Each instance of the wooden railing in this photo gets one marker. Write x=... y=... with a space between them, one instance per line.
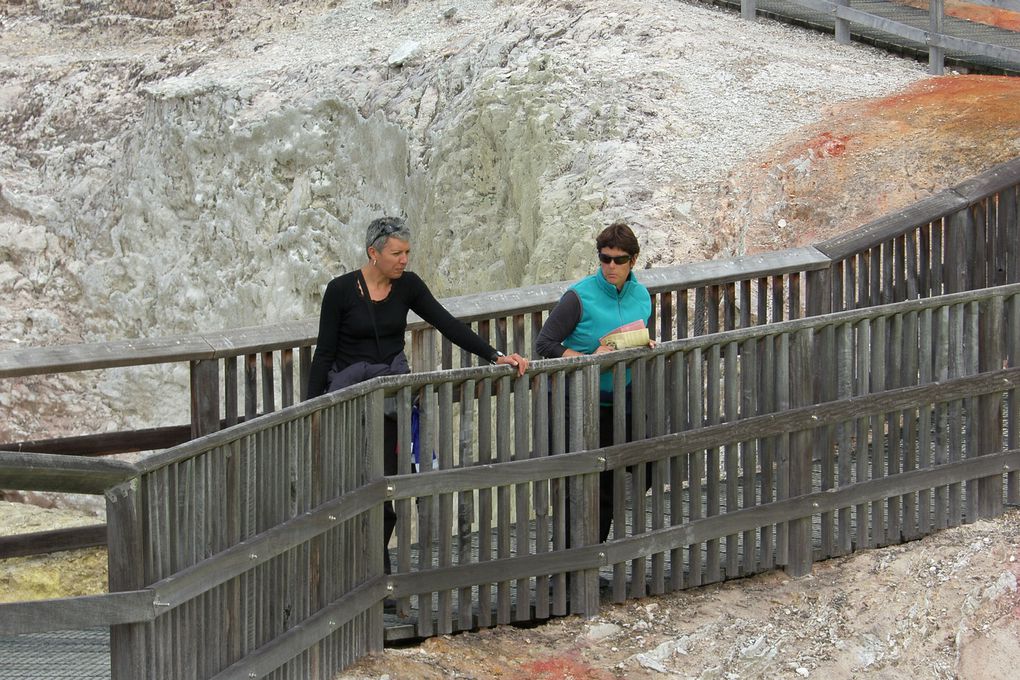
x=933 y=36
x=765 y=446
x=962 y=238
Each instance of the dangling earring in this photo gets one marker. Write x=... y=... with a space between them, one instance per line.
x=375 y=263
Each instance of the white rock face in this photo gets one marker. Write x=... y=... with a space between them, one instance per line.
x=218 y=166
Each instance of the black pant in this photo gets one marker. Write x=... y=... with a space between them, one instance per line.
x=606 y=478
x=389 y=468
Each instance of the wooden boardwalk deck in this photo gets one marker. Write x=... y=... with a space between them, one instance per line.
x=789 y=12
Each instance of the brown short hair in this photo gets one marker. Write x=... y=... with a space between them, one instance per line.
x=618 y=235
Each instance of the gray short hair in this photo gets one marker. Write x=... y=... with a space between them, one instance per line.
x=381 y=229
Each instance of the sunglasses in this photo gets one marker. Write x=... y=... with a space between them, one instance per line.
x=618 y=259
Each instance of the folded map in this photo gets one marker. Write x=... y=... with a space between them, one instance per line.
x=633 y=334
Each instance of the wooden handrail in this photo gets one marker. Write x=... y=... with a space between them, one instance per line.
x=257 y=339
x=66 y=474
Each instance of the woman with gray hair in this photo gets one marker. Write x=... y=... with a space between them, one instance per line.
x=363 y=320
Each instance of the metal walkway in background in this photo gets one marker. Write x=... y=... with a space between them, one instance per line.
x=792 y=13
x=60 y=655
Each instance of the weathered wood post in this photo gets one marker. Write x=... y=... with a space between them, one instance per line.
x=1009 y=233
x=819 y=293
x=205 y=397
x=583 y=403
x=957 y=263
x=129 y=651
x=748 y=9
x=936 y=55
x=843 y=25
x=374 y=414
x=1013 y=354
x=989 y=415
x=799 y=541
x=588 y=597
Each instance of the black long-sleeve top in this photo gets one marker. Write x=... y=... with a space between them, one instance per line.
x=346 y=335
x=562 y=321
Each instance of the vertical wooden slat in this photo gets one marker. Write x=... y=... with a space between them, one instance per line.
x=305 y=370
x=504 y=454
x=838 y=280
x=899 y=263
x=925 y=422
x=428 y=424
x=924 y=261
x=819 y=292
x=850 y=283
x=1009 y=227
x=575 y=529
x=444 y=536
x=767 y=404
x=205 y=400
x=825 y=369
x=712 y=472
x=955 y=430
x=619 y=477
x=895 y=443
x=995 y=245
x=782 y=462
x=521 y=451
x=795 y=307
x=268 y=384
x=466 y=499
x=956 y=271
x=911 y=246
x=978 y=236
x=879 y=437
x=941 y=372
x=729 y=303
x=844 y=451
x=446 y=353
x=682 y=315
x=989 y=416
x=638 y=475
x=558 y=445
x=374 y=469
x=485 y=510
x=748 y=449
x=666 y=329
x=402 y=507
x=286 y=377
x=799 y=552
x=700 y=318
x=888 y=281
x=778 y=298
x=125 y=526
x=863 y=279
x=744 y=304
x=540 y=438
x=696 y=469
x=909 y=525
x=678 y=464
x=877 y=291
x=657 y=427
x=251 y=404
x=586 y=592
x=938 y=258
x=231 y=407
x=712 y=303
x=731 y=453
x=1013 y=404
